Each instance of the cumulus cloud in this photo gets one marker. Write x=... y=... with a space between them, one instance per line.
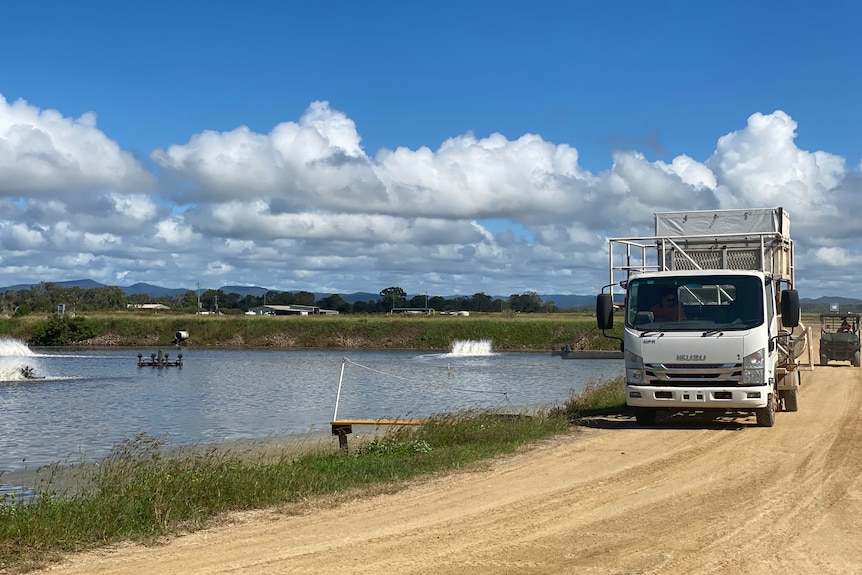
x=303 y=207
x=46 y=155
x=761 y=165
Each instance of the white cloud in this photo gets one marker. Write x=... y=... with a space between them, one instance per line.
x=18 y=237
x=176 y=233
x=838 y=256
x=312 y=162
x=47 y=155
x=762 y=166
x=303 y=206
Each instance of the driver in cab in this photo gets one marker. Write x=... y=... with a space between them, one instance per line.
x=668 y=309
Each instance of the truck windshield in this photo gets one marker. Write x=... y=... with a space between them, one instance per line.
x=696 y=302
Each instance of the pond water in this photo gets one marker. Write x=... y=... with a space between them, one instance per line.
x=88 y=400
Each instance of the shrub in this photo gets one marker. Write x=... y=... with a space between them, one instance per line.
x=62 y=330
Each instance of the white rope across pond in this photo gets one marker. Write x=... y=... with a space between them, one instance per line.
x=345 y=361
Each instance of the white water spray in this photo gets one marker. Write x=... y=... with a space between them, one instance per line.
x=472 y=347
x=14 y=348
x=14 y=355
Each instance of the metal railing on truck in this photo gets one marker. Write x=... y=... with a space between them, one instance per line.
x=769 y=252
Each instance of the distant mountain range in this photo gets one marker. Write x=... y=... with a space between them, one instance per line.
x=562 y=301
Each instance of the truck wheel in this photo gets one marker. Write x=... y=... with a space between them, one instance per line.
x=791 y=400
x=645 y=415
x=766 y=415
x=855 y=360
x=823 y=359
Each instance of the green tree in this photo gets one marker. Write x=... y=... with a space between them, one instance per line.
x=482 y=302
x=303 y=298
x=9 y=299
x=461 y=303
x=279 y=298
x=437 y=302
x=211 y=299
x=103 y=298
x=418 y=301
x=138 y=298
x=22 y=310
x=38 y=298
x=335 y=302
x=527 y=302
x=186 y=301
x=393 y=297
x=231 y=301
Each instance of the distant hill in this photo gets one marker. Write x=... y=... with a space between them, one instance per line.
x=352 y=297
x=257 y=291
x=243 y=291
x=83 y=284
x=153 y=291
x=829 y=299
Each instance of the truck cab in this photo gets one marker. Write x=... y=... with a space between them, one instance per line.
x=705 y=334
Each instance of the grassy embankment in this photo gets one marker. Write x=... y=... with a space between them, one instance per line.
x=143 y=491
x=527 y=332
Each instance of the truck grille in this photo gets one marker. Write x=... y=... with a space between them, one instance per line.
x=687 y=374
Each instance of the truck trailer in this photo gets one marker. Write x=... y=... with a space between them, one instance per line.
x=711 y=315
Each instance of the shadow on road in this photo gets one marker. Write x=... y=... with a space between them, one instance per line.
x=694 y=420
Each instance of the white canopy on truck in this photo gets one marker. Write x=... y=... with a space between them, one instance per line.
x=723 y=222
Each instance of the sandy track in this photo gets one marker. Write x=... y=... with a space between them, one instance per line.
x=683 y=497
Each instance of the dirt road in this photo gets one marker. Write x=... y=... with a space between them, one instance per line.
x=615 y=499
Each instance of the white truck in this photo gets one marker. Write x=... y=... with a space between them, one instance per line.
x=710 y=312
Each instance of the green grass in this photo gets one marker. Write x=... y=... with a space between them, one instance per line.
x=144 y=490
x=514 y=332
x=597 y=398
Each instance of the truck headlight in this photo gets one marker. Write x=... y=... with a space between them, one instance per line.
x=634 y=369
x=752 y=367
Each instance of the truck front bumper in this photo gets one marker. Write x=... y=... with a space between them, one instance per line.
x=694 y=397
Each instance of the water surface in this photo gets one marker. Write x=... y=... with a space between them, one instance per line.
x=90 y=400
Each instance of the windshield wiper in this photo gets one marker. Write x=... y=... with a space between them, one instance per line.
x=735 y=325
x=709 y=332
x=652 y=331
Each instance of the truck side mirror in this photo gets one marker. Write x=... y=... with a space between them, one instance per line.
x=790 y=309
x=605 y=311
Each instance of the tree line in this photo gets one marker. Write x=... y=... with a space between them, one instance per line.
x=47 y=297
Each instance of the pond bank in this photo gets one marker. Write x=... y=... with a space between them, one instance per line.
x=527 y=332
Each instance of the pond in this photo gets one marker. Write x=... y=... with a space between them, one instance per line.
x=82 y=402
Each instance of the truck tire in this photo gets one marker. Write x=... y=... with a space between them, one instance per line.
x=823 y=359
x=645 y=415
x=766 y=415
x=791 y=399
x=855 y=360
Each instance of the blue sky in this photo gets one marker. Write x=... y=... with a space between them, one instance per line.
x=447 y=147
